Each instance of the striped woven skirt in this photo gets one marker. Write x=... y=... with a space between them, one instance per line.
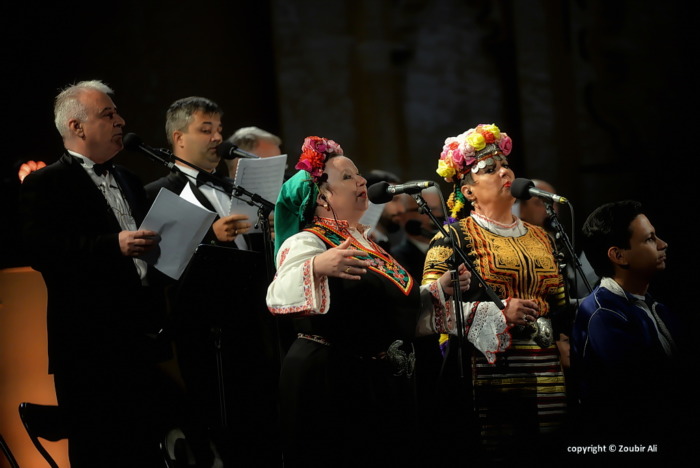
x=521 y=398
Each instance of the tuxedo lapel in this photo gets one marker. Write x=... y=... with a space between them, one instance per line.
x=201 y=198
x=91 y=200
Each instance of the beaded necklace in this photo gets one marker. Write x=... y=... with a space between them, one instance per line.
x=514 y=229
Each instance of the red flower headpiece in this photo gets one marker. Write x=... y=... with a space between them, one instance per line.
x=315 y=152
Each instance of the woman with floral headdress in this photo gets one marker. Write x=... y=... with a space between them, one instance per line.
x=517 y=379
x=346 y=381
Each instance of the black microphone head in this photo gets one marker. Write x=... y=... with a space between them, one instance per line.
x=520 y=189
x=377 y=193
x=131 y=141
x=224 y=150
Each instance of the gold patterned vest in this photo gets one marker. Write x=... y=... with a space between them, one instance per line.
x=522 y=267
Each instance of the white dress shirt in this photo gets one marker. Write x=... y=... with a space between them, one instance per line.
x=113 y=194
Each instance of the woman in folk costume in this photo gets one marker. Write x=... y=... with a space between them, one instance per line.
x=517 y=379
x=346 y=383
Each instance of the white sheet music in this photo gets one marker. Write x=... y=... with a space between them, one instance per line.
x=181 y=226
x=263 y=177
x=372 y=215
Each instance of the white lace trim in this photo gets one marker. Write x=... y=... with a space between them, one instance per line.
x=489 y=330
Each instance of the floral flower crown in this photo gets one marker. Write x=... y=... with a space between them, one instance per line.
x=468 y=151
x=472 y=150
x=314 y=153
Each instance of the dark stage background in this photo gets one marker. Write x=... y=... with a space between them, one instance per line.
x=599 y=96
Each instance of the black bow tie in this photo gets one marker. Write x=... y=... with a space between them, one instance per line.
x=202 y=179
x=102 y=169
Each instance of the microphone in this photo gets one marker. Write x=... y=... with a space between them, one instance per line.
x=228 y=150
x=383 y=192
x=133 y=142
x=524 y=189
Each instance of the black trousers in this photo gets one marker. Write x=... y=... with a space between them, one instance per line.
x=117 y=415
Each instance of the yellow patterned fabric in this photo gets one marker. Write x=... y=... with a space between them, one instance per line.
x=521 y=267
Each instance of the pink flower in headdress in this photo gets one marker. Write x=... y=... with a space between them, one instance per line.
x=449 y=151
x=451 y=143
x=469 y=161
x=333 y=147
x=319 y=145
x=458 y=157
x=304 y=165
x=505 y=144
x=464 y=146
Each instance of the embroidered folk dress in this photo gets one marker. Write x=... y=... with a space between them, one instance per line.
x=517 y=384
x=346 y=384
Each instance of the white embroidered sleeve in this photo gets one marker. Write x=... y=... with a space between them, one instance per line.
x=484 y=323
x=294 y=290
x=435 y=315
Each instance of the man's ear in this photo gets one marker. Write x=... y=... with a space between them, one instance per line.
x=76 y=128
x=177 y=138
x=617 y=256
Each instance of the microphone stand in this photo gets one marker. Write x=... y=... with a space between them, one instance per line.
x=457 y=293
x=264 y=209
x=561 y=236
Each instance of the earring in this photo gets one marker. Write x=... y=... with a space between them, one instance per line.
x=325 y=205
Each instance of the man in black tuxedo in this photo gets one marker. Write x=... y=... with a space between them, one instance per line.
x=193 y=128
x=106 y=352
x=225 y=339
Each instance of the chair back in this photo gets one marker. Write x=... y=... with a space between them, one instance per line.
x=8 y=453
x=45 y=422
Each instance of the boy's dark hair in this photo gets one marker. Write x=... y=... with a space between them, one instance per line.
x=608 y=226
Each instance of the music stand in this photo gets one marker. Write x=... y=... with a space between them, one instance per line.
x=224 y=333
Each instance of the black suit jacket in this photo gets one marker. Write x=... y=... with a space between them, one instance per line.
x=98 y=312
x=175 y=182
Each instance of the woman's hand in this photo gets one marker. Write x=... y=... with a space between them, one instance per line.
x=521 y=311
x=340 y=262
x=465 y=279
